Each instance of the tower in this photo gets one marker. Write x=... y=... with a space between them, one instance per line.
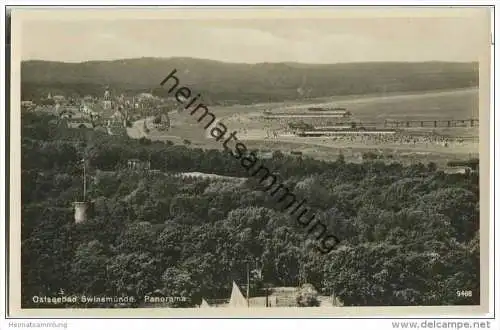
x=82 y=207
x=107 y=99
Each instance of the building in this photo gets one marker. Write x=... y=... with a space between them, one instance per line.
x=84 y=108
x=312 y=117
x=117 y=120
x=458 y=170
x=106 y=103
x=28 y=105
x=66 y=114
x=296 y=153
x=303 y=115
x=161 y=122
x=58 y=98
x=78 y=124
x=145 y=96
x=318 y=133
x=81 y=211
x=265 y=155
x=138 y=165
x=338 y=111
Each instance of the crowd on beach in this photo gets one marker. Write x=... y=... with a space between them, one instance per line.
x=395 y=138
x=398 y=137
x=403 y=139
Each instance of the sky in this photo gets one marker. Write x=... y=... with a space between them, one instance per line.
x=322 y=40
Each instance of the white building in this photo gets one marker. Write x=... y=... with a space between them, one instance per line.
x=58 y=98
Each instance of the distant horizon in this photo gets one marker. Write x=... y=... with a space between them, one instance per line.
x=250 y=41
x=247 y=63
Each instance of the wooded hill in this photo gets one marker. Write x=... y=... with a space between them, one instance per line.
x=243 y=83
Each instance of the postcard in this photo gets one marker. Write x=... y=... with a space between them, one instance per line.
x=249 y=162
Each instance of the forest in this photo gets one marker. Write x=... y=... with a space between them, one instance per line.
x=409 y=234
x=231 y=83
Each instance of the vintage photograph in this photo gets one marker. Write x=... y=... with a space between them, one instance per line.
x=265 y=158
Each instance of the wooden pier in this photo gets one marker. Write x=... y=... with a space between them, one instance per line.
x=471 y=122
x=400 y=124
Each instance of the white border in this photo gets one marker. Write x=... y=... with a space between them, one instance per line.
x=243 y=324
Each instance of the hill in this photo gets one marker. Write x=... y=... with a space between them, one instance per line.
x=244 y=83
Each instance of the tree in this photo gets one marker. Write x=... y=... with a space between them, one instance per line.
x=179 y=283
x=88 y=269
x=134 y=274
x=137 y=237
x=409 y=234
x=307 y=296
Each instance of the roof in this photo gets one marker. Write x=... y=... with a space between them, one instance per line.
x=79 y=125
x=303 y=115
x=237 y=298
x=117 y=115
x=146 y=95
x=457 y=170
x=204 y=304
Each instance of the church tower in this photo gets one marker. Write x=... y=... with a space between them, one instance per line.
x=107 y=99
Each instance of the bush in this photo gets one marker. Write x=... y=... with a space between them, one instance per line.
x=307 y=296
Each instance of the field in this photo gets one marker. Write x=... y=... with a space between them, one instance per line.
x=254 y=130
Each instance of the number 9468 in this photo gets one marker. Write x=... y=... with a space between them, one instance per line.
x=462 y=293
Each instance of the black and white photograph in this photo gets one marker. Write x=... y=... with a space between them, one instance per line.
x=259 y=159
